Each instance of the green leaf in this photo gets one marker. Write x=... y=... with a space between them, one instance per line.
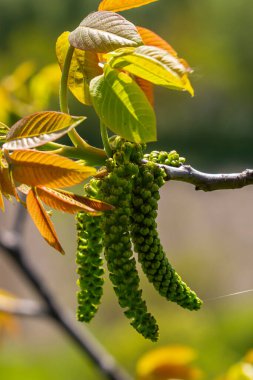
x=40 y=128
x=123 y=107
x=84 y=67
x=153 y=64
x=104 y=31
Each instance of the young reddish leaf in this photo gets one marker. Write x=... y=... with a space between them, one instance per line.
x=94 y=204
x=42 y=220
x=39 y=128
x=148 y=89
x=69 y=202
x=35 y=168
x=122 y=5
x=123 y=107
x=103 y=32
x=152 y=39
x=152 y=64
x=84 y=67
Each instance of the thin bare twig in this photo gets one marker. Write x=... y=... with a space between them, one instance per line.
x=11 y=243
x=206 y=181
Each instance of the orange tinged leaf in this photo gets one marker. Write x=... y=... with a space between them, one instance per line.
x=39 y=128
x=148 y=89
x=35 y=168
x=42 y=220
x=94 y=204
x=1 y=202
x=6 y=184
x=122 y=5
x=68 y=202
x=150 y=38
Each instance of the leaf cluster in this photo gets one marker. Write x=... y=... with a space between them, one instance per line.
x=107 y=63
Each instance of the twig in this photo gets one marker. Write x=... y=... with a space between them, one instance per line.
x=206 y=181
x=11 y=242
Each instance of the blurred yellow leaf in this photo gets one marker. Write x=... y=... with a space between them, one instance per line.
x=45 y=84
x=42 y=220
x=243 y=370
x=170 y=362
x=8 y=323
x=18 y=78
x=84 y=67
x=35 y=168
x=6 y=106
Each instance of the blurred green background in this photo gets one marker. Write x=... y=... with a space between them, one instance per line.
x=208 y=236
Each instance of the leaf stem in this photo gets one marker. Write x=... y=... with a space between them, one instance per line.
x=93 y=156
x=105 y=139
x=82 y=150
x=63 y=96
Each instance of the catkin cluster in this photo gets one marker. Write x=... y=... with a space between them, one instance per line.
x=132 y=187
x=90 y=265
x=146 y=240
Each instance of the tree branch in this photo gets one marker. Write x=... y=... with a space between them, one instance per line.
x=206 y=181
x=11 y=243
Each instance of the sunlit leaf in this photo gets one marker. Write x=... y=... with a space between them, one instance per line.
x=42 y=220
x=92 y=203
x=148 y=89
x=152 y=64
x=121 y=5
x=103 y=32
x=84 y=67
x=152 y=39
x=35 y=168
x=123 y=107
x=39 y=128
x=68 y=202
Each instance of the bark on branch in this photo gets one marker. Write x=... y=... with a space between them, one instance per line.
x=207 y=181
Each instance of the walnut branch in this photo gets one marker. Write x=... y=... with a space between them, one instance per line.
x=206 y=181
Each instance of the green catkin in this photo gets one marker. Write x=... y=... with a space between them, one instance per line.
x=116 y=189
x=133 y=188
x=90 y=265
x=145 y=236
x=171 y=158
